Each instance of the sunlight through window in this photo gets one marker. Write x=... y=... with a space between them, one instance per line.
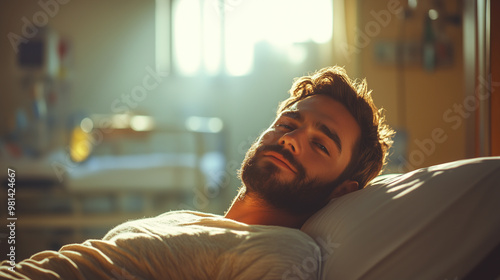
x=211 y=39
x=215 y=36
x=187 y=36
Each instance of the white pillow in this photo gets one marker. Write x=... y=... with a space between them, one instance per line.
x=432 y=223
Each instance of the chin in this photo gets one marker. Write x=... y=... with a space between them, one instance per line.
x=294 y=195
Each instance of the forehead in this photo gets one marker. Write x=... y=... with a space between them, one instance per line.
x=324 y=108
x=323 y=105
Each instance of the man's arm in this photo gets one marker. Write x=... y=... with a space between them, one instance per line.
x=93 y=259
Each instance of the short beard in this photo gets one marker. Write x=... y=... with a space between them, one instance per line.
x=300 y=196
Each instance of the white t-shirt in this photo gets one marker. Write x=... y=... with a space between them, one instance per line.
x=180 y=245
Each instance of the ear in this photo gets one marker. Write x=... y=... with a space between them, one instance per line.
x=344 y=188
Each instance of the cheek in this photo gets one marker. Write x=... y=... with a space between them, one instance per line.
x=268 y=137
x=319 y=168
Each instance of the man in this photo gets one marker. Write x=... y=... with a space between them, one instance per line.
x=328 y=140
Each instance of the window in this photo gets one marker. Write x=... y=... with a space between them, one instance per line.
x=219 y=36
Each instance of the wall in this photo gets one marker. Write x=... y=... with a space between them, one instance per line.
x=435 y=135
x=113 y=43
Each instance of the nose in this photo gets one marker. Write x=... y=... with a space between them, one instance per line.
x=291 y=141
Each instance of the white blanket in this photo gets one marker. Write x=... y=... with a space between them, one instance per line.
x=180 y=245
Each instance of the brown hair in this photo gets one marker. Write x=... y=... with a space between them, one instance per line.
x=371 y=149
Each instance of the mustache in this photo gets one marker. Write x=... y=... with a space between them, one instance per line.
x=285 y=154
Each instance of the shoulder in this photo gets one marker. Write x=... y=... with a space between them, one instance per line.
x=153 y=224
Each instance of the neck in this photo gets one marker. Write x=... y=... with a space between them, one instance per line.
x=253 y=210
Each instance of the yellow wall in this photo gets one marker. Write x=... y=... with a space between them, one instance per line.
x=429 y=94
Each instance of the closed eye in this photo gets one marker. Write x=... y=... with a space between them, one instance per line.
x=321 y=148
x=285 y=126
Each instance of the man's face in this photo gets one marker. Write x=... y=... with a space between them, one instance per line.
x=296 y=162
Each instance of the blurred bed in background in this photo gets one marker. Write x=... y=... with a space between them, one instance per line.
x=107 y=175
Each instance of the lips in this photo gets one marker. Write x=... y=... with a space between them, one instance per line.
x=280 y=160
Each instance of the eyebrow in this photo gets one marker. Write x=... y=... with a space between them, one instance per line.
x=321 y=127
